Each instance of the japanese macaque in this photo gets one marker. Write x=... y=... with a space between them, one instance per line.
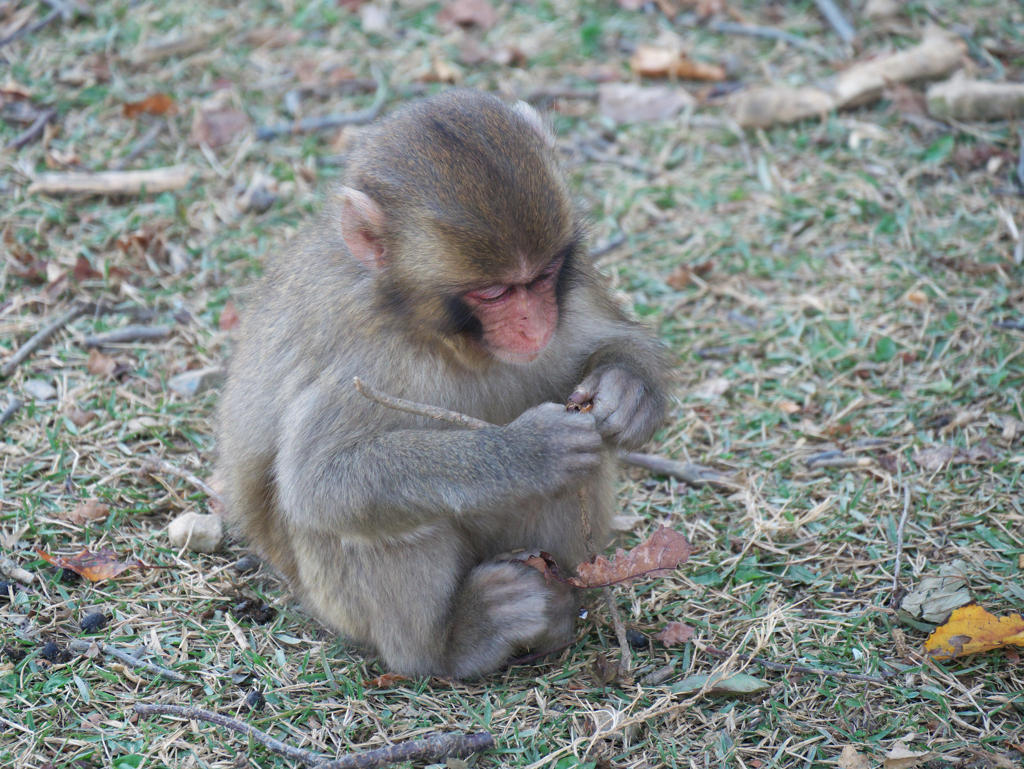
x=450 y=270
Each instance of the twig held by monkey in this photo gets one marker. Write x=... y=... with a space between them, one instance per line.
x=449 y=269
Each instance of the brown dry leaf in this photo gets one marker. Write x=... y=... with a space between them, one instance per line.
x=680 y=277
x=467 y=13
x=95 y=567
x=157 y=104
x=228 y=316
x=675 y=633
x=13 y=90
x=100 y=364
x=88 y=511
x=902 y=757
x=789 y=407
x=851 y=758
x=84 y=271
x=385 y=681
x=662 y=552
x=215 y=128
x=81 y=418
x=906 y=100
x=938 y=457
x=971 y=629
x=654 y=61
x=632 y=103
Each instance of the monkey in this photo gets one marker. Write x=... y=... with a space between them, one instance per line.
x=450 y=269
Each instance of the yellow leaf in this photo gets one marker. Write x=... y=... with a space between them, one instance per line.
x=971 y=629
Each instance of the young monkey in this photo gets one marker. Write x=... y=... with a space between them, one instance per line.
x=449 y=270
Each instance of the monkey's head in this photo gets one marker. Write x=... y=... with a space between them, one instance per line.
x=459 y=209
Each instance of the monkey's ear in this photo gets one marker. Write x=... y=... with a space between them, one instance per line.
x=531 y=116
x=362 y=226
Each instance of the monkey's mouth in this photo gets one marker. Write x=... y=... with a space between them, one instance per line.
x=516 y=358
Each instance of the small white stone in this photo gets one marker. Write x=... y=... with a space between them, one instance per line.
x=40 y=389
x=192 y=383
x=200 y=533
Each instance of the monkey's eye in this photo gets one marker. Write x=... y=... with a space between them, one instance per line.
x=493 y=294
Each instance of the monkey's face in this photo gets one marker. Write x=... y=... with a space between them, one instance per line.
x=517 y=318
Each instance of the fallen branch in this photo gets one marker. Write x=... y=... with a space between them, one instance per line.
x=157 y=466
x=311 y=124
x=429 y=750
x=152 y=180
x=10 y=409
x=128 y=334
x=552 y=92
x=141 y=146
x=837 y=19
x=33 y=132
x=749 y=30
x=784 y=668
x=9 y=567
x=177 y=45
x=960 y=98
x=40 y=337
x=81 y=647
x=935 y=56
x=687 y=472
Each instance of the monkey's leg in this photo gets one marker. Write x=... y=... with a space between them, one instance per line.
x=505 y=608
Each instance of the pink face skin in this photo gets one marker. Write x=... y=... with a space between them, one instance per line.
x=518 y=317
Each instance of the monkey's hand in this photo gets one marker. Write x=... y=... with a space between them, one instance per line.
x=558 y=448
x=627 y=409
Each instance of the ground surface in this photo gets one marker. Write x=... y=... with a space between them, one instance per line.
x=849 y=281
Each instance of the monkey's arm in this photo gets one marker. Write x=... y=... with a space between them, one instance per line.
x=626 y=379
x=333 y=472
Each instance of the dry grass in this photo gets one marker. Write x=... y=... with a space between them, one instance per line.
x=853 y=300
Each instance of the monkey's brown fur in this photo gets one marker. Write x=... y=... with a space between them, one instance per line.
x=393 y=528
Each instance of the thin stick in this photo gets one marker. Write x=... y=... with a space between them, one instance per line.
x=687 y=472
x=608 y=246
x=33 y=132
x=81 y=647
x=840 y=462
x=625 y=657
x=10 y=410
x=310 y=124
x=12 y=570
x=420 y=409
x=899 y=540
x=40 y=337
x=784 y=668
x=128 y=334
x=835 y=17
x=157 y=466
x=31 y=28
x=429 y=750
x=141 y=146
x=152 y=180
x=749 y=30
x=695 y=475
